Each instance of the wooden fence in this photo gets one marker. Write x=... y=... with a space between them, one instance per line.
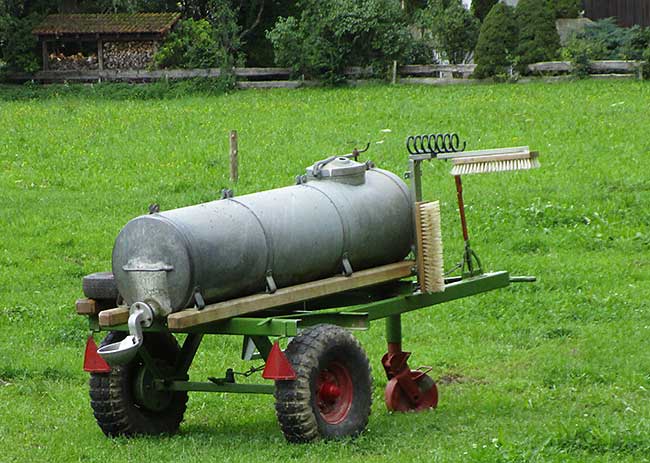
x=432 y=74
x=627 y=12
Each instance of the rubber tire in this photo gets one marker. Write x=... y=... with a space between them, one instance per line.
x=100 y=286
x=112 y=396
x=295 y=401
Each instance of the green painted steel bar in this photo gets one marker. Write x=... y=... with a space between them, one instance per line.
x=394 y=329
x=456 y=290
x=214 y=387
x=271 y=326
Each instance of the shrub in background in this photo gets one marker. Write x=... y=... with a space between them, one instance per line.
x=496 y=42
x=481 y=8
x=604 y=39
x=332 y=34
x=195 y=44
x=453 y=30
x=566 y=8
x=538 y=39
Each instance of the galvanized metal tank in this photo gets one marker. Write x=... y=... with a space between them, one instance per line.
x=342 y=216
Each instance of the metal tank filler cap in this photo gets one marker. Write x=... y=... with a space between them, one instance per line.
x=340 y=169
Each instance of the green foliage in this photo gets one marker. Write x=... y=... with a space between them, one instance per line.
x=496 y=43
x=18 y=47
x=159 y=90
x=646 y=63
x=453 y=29
x=332 y=34
x=196 y=44
x=538 y=38
x=481 y=8
x=605 y=40
x=566 y=8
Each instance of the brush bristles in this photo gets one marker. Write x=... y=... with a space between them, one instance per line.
x=431 y=266
x=494 y=166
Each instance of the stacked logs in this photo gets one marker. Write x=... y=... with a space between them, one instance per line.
x=128 y=55
x=76 y=62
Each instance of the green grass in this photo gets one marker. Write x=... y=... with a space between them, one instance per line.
x=554 y=371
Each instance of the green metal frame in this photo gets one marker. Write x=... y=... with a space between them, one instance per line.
x=260 y=329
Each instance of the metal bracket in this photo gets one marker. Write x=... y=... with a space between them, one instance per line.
x=271 y=287
x=198 y=298
x=347 y=266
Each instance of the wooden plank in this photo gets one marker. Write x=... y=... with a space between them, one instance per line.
x=430 y=69
x=86 y=306
x=271 y=84
x=611 y=65
x=114 y=317
x=263 y=72
x=550 y=66
x=257 y=302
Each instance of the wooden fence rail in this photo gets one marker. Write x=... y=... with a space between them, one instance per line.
x=279 y=77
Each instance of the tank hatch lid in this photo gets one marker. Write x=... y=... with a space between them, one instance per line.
x=337 y=168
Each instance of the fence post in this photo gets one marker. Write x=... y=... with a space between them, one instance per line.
x=234 y=161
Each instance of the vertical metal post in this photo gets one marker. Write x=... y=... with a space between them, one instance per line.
x=394 y=331
x=234 y=160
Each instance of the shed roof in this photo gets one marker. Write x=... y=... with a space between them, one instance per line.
x=118 y=23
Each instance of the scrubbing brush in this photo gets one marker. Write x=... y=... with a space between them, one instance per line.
x=489 y=161
x=429 y=246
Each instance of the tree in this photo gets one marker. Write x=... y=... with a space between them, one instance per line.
x=481 y=8
x=566 y=8
x=538 y=37
x=496 y=42
x=329 y=35
x=453 y=29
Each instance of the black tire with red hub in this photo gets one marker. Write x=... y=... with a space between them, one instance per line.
x=332 y=394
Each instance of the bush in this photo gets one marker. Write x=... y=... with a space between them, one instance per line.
x=538 y=39
x=453 y=29
x=606 y=40
x=194 y=44
x=496 y=42
x=332 y=34
x=481 y=8
x=566 y=8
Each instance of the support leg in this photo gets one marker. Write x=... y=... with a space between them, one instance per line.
x=407 y=389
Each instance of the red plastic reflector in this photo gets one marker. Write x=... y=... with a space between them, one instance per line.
x=277 y=365
x=93 y=363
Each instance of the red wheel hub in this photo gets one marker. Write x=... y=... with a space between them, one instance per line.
x=334 y=393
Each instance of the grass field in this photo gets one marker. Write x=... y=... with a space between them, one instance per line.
x=554 y=371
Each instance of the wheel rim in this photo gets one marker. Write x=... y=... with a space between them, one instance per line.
x=146 y=395
x=334 y=393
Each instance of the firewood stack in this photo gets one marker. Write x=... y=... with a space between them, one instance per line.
x=128 y=55
x=76 y=62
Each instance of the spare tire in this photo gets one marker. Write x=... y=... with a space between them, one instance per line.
x=100 y=286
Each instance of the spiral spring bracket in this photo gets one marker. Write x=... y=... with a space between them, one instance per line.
x=429 y=146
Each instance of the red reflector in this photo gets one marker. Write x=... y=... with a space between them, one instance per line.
x=277 y=365
x=93 y=363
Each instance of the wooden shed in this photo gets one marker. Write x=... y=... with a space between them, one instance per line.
x=116 y=41
x=627 y=12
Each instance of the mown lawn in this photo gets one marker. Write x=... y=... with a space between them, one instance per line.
x=554 y=371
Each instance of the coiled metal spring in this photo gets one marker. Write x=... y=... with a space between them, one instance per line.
x=434 y=144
